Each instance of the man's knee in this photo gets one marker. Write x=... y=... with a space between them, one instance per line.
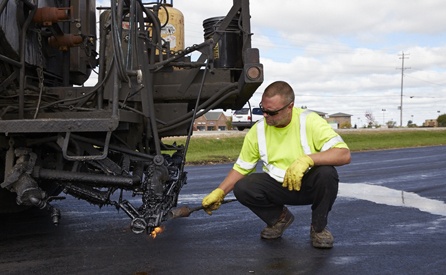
x=325 y=176
x=326 y=171
x=238 y=189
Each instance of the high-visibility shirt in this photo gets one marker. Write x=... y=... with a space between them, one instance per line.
x=277 y=148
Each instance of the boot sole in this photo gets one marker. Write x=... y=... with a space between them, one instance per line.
x=322 y=245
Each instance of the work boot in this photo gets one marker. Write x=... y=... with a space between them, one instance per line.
x=323 y=239
x=275 y=231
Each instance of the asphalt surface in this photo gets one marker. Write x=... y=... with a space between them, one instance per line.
x=389 y=218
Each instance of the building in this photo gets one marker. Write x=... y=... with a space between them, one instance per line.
x=211 y=121
x=340 y=120
x=430 y=123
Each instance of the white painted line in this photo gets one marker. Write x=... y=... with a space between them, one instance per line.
x=384 y=195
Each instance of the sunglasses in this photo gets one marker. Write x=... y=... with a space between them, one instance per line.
x=275 y=112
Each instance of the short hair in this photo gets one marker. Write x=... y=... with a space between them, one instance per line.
x=281 y=88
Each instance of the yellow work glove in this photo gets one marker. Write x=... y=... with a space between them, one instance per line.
x=213 y=201
x=295 y=172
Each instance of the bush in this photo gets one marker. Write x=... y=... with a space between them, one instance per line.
x=441 y=120
x=345 y=125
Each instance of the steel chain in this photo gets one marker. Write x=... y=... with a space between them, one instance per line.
x=39 y=70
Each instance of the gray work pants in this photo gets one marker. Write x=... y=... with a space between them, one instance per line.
x=266 y=197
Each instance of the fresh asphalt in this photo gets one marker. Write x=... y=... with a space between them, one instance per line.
x=389 y=218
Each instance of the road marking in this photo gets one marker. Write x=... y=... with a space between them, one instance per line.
x=393 y=197
x=365 y=191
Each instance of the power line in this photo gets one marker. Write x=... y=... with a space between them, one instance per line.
x=430 y=82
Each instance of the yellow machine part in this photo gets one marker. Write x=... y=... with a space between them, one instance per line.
x=172 y=26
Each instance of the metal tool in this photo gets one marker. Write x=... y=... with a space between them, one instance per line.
x=185 y=211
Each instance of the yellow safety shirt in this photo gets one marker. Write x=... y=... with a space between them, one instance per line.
x=277 y=147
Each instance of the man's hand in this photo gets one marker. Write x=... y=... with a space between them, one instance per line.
x=213 y=201
x=294 y=173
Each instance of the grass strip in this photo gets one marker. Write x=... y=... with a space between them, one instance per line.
x=224 y=149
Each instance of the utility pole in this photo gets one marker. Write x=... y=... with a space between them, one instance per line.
x=402 y=57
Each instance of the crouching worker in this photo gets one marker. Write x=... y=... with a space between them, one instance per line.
x=298 y=150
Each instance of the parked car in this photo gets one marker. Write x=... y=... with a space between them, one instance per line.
x=244 y=118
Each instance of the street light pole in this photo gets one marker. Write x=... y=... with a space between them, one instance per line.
x=384 y=121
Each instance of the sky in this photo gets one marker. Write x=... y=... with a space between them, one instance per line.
x=345 y=56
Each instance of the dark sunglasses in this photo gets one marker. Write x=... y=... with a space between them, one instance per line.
x=272 y=113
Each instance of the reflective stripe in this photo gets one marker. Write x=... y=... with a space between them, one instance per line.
x=245 y=165
x=303 y=132
x=261 y=140
x=332 y=142
x=276 y=173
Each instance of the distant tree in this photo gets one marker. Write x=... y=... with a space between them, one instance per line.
x=441 y=120
x=410 y=124
x=391 y=124
x=370 y=119
x=229 y=123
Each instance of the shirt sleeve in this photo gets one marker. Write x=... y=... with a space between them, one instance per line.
x=249 y=154
x=321 y=135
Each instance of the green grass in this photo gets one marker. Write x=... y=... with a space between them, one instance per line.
x=224 y=149
x=212 y=149
x=380 y=140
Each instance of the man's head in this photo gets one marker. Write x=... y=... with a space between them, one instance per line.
x=277 y=104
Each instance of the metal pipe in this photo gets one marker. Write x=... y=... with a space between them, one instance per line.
x=147 y=98
x=10 y=61
x=87 y=178
x=102 y=69
x=185 y=211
